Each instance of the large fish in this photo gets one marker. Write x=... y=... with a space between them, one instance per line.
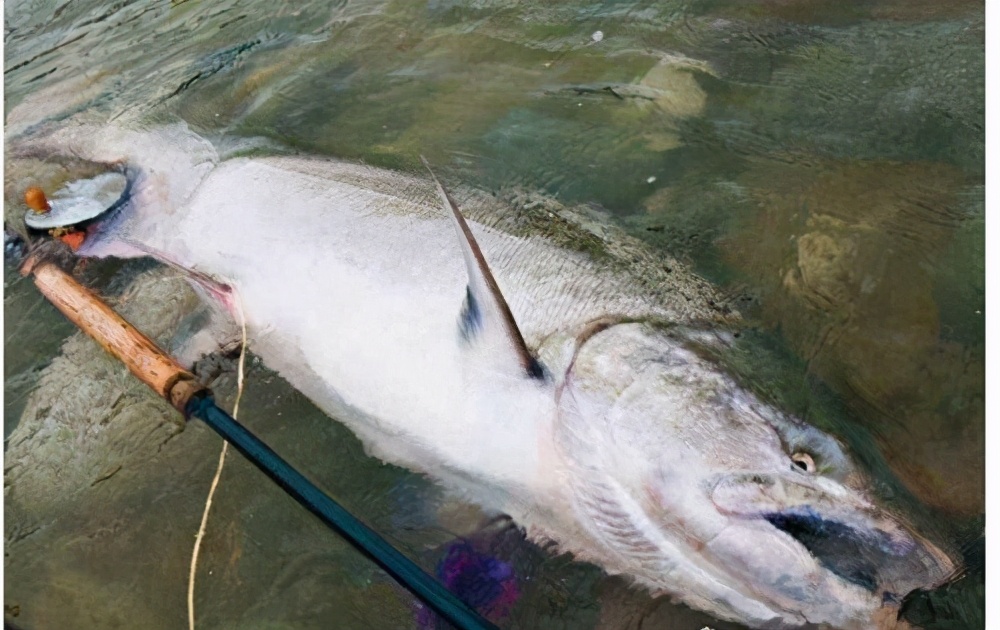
x=562 y=387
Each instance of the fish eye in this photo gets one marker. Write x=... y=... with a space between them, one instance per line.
x=804 y=462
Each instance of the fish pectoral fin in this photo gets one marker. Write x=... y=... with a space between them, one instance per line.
x=485 y=311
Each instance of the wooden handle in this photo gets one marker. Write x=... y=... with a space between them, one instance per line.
x=139 y=353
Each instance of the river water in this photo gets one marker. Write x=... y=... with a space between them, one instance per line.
x=822 y=162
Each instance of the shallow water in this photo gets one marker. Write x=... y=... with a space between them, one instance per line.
x=822 y=162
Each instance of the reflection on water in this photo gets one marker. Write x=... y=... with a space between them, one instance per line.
x=823 y=162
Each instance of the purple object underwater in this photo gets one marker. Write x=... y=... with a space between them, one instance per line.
x=484 y=582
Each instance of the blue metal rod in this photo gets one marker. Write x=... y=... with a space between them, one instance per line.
x=365 y=539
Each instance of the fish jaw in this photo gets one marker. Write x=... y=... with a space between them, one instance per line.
x=849 y=536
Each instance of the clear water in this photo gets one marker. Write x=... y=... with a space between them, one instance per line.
x=820 y=161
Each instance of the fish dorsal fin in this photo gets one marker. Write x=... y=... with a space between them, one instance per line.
x=485 y=305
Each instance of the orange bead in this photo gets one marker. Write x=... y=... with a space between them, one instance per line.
x=73 y=239
x=36 y=200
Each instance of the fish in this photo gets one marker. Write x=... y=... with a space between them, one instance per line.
x=530 y=358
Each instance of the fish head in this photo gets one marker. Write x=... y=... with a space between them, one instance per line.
x=695 y=487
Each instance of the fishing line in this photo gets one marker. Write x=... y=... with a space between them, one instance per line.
x=222 y=462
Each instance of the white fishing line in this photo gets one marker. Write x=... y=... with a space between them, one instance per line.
x=218 y=470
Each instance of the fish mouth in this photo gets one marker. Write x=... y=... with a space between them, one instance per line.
x=859 y=543
x=850 y=553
